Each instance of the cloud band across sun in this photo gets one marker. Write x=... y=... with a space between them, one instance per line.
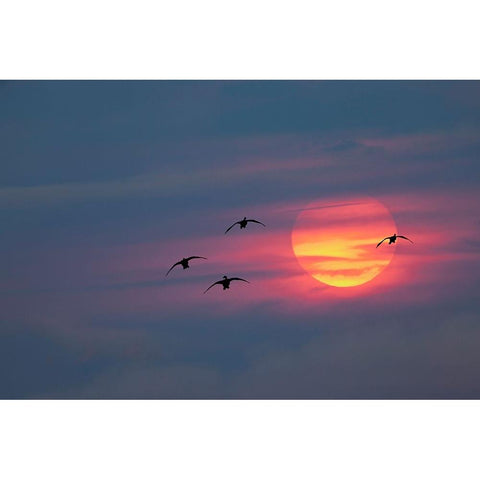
x=337 y=245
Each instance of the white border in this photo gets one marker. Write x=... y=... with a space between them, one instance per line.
x=239 y=40
x=261 y=39
x=240 y=439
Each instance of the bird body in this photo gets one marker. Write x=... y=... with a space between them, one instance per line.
x=225 y=283
x=393 y=239
x=183 y=262
x=243 y=223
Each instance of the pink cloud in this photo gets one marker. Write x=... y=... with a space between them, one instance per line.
x=130 y=279
x=438 y=224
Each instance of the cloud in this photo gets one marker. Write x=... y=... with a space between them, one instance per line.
x=147 y=382
x=270 y=160
x=84 y=262
x=130 y=277
x=396 y=359
x=150 y=185
x=438 y=361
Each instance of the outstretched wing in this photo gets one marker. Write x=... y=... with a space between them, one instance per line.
x=379 y=243
x=229 y=228
x=256 y=221
x=212 y=285
x=401 y=236
x=172 y=267
x=189 y=258
x=237 y=278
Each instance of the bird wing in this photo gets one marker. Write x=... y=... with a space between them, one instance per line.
x=212 y=285
x=401 y=236
x=189 y=258
x=172 y=267
x=237 y=278
x=231 y=227
x=256 y=221
x=379 y=243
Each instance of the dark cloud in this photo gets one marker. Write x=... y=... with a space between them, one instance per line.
x=387 y=358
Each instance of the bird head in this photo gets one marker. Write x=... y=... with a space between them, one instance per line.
x=225 y=277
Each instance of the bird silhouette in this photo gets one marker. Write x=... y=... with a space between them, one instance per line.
x=393 y=239
x=225 y=282
x=243 y=223
x=183 y=262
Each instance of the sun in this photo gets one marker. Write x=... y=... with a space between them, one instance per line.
x=335 y=241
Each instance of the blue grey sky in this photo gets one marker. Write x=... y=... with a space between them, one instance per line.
x=104 y=185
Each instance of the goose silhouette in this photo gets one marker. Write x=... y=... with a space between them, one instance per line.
x=393 y=239
x=225 y=282
x=243 y=223
x=183 y=262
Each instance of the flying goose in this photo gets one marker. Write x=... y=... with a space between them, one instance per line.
x=225 y=282
x=243 y=223
x=393 y=239
x=184 y=263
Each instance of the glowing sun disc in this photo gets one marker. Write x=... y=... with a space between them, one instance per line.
x=335 y=241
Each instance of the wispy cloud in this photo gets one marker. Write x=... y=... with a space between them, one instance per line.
x=394 y=155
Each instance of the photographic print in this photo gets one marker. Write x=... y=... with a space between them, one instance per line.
x=240 y=239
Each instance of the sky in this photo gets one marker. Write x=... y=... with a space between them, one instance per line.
x=104 y=185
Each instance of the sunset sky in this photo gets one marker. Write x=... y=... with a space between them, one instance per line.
x=104 y=185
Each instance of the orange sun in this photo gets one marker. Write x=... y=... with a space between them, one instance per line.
x=335 y=242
